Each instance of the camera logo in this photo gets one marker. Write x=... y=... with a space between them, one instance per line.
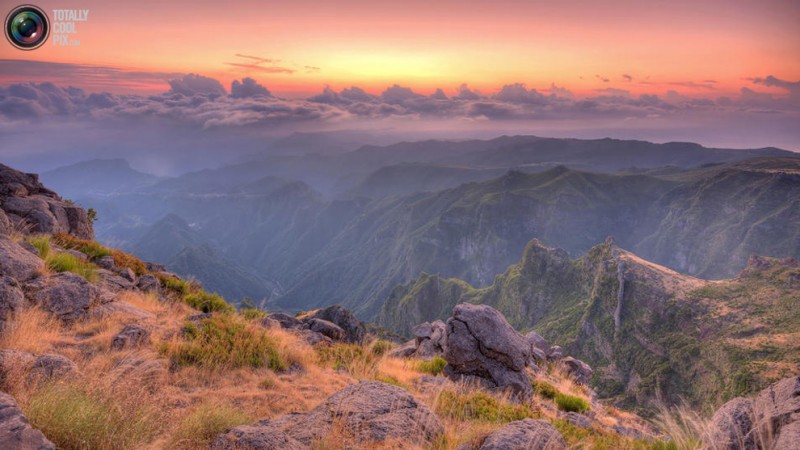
x=27 y=27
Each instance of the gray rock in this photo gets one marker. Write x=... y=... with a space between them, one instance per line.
x=731 y=427
x=149 y=283
x=68 y=296
x=128 y=274
x=34 y=367
x=11 y=298
x=434 y=341
x=371 y=412
x=481 y=343
x=537 y=341
x=132 y=335
x=5 y=224
x=16 y=432
x=355 y=330
x=579 y=420
x=422 y=331
x=286 y=320
x=405 y=350
x=270 y=323
x=18 y=263
x=525 y=434
x=107 y=262
x=312 y=337
x=789 y=437
x=556 y=353
x=113 y=282
x=121 y=309
x=577 y=369
x=777 y=408
x=329 y=329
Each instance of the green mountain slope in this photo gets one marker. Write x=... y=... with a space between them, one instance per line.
x=648 y=331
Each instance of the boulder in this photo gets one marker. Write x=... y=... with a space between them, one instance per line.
x=405 y=350
x=11 y=298
x=149 y=283
x=329 y=329
x=355 y=330
x=579 y=420
x=731 y=427
x=286 y=320
x=431 y=339
x=5 y=224
x=528 y=434
x=556 y=353
x=312 y=337
x=777 y=408
x=18 y=263
x=131 y=335
x=15 y=363
x=30 y=206
x=68 y=296
x=128 y=274
x=107 y=262
x=15 y=430
x=577 y=369
x=368 y=412
x=481 y=343
x=789 y=437
x=113 y=282
x=537 y=341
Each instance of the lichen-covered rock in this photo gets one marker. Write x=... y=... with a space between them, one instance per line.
x=149 y=283
x=777 y=408
x=131 y=335
x=355 y=330
x=286 y=321
x=481 y=343
x=18 y=263
x=577 y=369
x=16 y=433
x=11 y=298
x=369 y=412
x=528 y=434
x=731 y=426
x=69 y=296
x=329 y=329
x=32 y=207
x=30 y=367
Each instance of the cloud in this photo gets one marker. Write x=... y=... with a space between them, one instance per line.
x=248 y=88
x=627 y=77
x=259 y=64
x=192 y=84
x=792 y=87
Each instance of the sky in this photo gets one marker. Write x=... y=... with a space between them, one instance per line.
x=720 y=72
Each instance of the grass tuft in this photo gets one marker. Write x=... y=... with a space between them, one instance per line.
x=358 y=360
x=42 y=244
x=74 y=417
x=225 y=341
x=571 y=403
x=199 y=428
x=479 y=406
x=92 y=249
x=65 y=262
x=433 y=367
x=208 y=302
x=545 y=389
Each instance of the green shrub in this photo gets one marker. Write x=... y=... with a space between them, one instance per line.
x=225 y=341
x=545 y=389
x=65 y=262
x=207 y=302
x=380 y=347
x=202 y=425
x=479 y=406
x=252 y=313
x=176 y=285
x=73 y=417
x=571 y=403
x=433 y=367
x=42 y=244
x=91 y=249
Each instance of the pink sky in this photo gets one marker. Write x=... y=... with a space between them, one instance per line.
x=703 y=49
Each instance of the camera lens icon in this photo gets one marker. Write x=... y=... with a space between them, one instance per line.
x=27 y=27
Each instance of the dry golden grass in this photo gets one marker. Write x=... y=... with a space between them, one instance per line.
x=32 y=330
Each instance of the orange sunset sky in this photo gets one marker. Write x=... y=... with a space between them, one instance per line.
x=295 y=48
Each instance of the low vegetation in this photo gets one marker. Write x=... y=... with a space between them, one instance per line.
x=66 y=262
x=74 y=416
x=224 y=341
x=208 y=302
x=358 y=360
x=479 y=406
x=434 y=367
x=207 y=420
x=571 y=403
